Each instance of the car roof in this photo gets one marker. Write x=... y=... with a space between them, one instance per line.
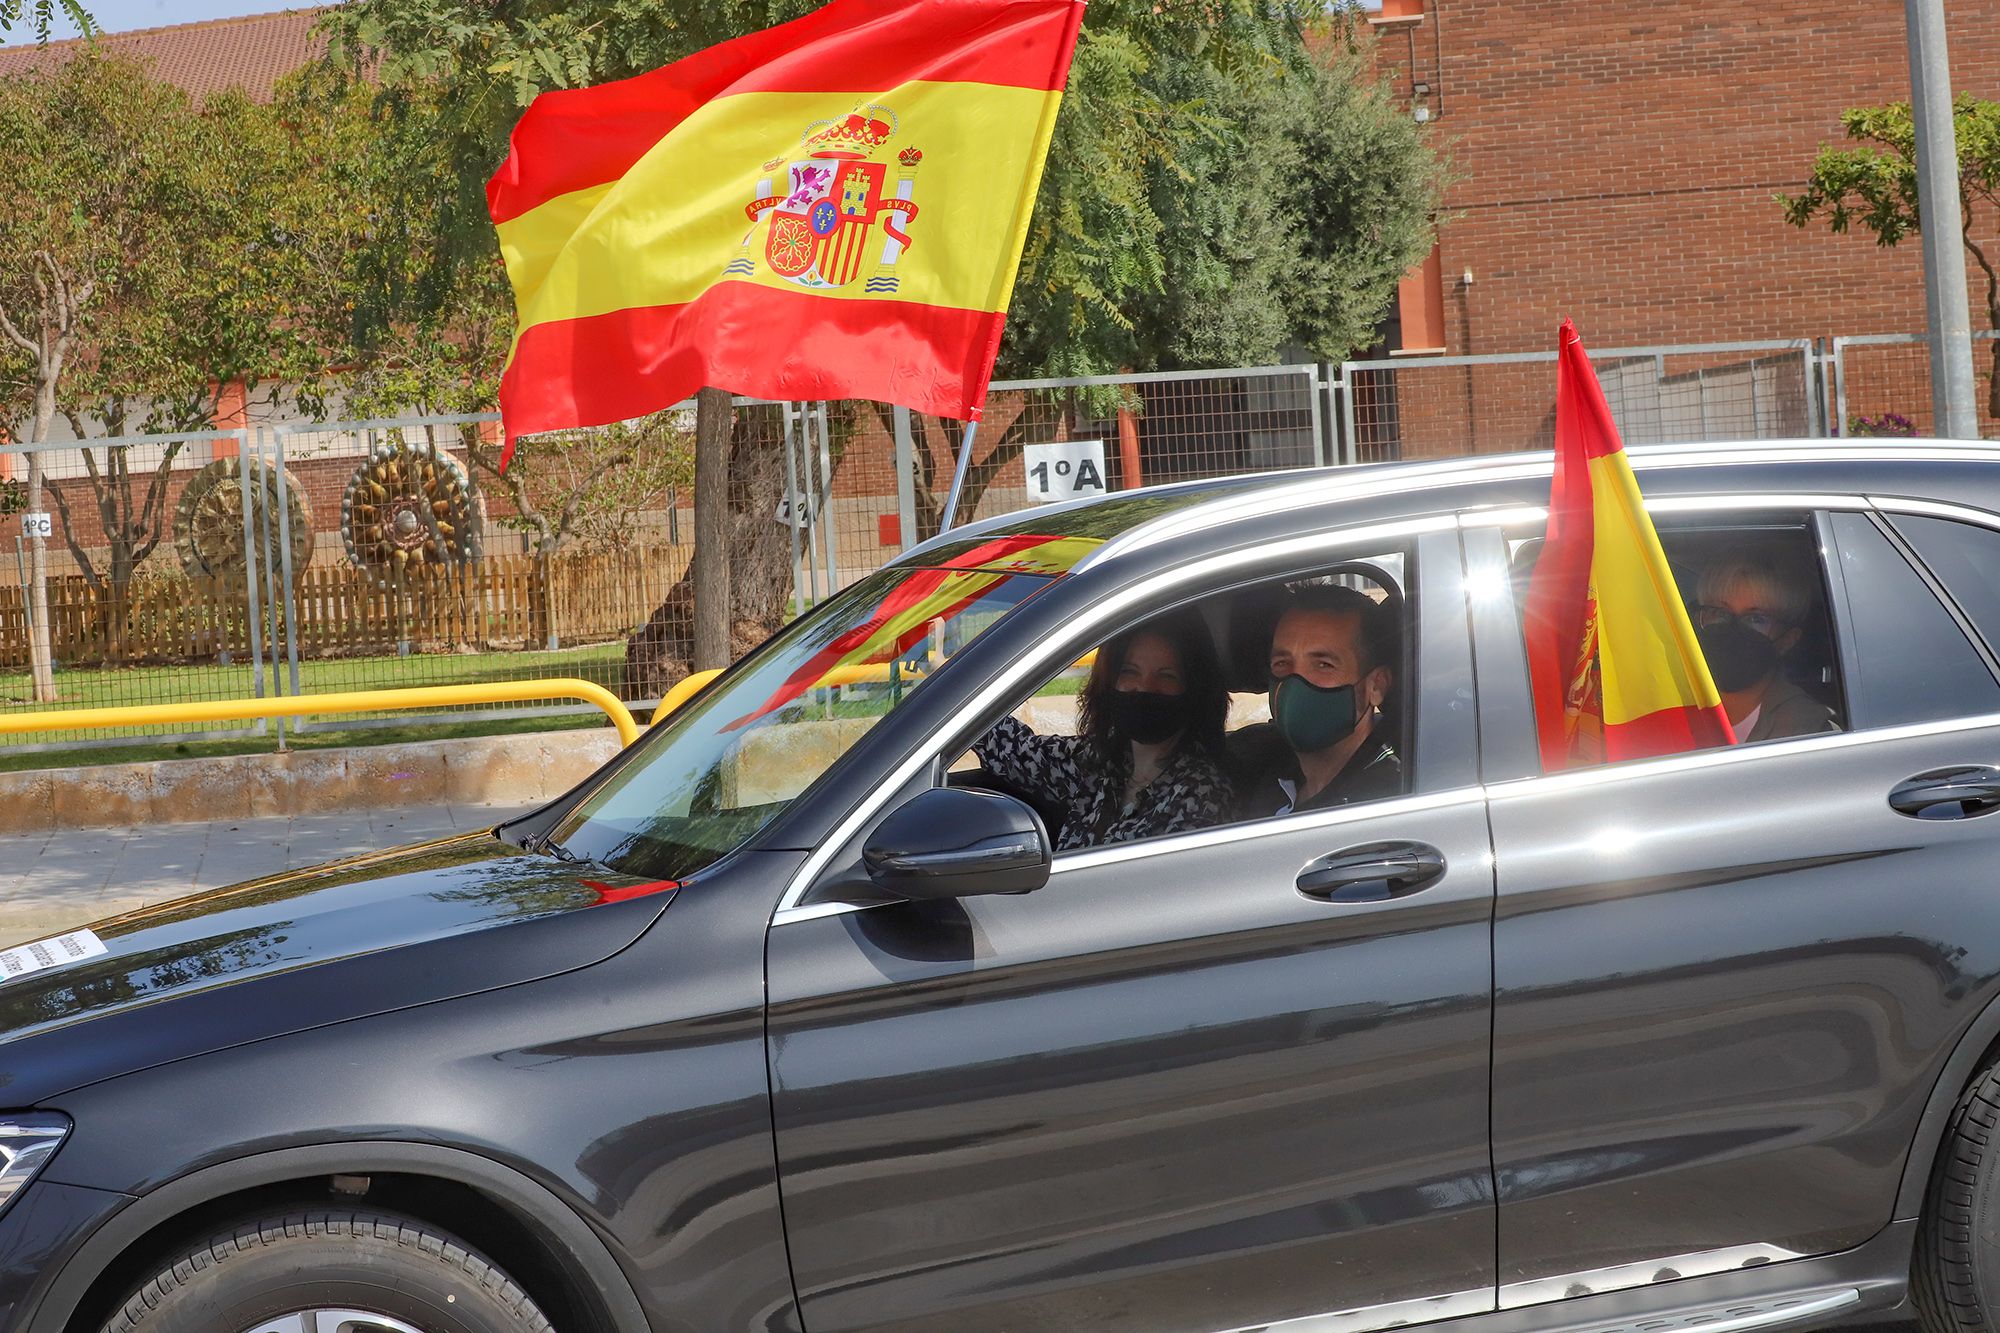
x=1129 y=522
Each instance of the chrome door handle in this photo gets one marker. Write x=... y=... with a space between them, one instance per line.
x=1373 y=872
x=1948 y=793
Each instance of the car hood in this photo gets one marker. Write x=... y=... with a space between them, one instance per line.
x=411 y=926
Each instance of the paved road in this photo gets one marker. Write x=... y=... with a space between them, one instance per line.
x=52 y=881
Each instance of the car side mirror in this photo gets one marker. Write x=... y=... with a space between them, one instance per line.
x=958 y=842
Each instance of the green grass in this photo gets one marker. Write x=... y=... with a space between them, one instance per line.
x=111 y=687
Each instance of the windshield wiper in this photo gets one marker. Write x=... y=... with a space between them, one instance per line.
x=547 y=845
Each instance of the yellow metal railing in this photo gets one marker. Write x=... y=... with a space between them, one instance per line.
x=313 y=705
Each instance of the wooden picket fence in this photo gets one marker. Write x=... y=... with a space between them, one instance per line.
x=495 y=603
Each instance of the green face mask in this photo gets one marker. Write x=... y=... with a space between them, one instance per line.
x=1311 y=717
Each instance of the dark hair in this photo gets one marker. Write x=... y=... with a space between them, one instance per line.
x=1380 y=633
x=1201 y=681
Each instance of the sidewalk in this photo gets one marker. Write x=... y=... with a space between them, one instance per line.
x=51 y=881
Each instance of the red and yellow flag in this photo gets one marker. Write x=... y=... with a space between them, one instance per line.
x=832 y=208
x=904 y=616
x=1616 y=669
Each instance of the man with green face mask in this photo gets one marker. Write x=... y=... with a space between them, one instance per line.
x=1331 y=668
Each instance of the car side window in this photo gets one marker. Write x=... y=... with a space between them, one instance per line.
x=1756 y=597
x=1966 y=559
x=1261 y=700
x=1912 y=661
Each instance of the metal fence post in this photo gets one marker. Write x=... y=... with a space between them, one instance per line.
x=1313 y=385
x=906 y=480
x=1350 y=442
x=290 y=587
x=805 y=571
x=828 y=529
x=257 y=441
x=1839 y=430
x=253 y=611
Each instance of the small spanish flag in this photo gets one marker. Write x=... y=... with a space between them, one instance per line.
x=1614 y=663
x=832 y=208
x=904 y=616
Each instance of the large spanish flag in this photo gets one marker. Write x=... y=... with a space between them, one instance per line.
x=1616 y=669
x=832 y=208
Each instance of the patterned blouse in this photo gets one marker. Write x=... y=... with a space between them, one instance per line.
x=1189 y=793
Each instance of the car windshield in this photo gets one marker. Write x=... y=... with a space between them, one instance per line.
x=725 y=764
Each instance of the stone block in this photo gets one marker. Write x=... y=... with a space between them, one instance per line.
x=27 y=801
x=105 y=795
x=394 y=775
x=185 y=791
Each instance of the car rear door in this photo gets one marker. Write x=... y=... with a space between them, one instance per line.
x=1169 y=1092
x=1726 y=982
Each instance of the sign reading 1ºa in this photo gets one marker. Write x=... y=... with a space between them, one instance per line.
x=1065 y=470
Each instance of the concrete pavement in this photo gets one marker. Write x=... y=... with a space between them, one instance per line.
x=52 y=881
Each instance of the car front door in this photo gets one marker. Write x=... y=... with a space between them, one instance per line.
x=1169 y=1092
x=1725 y=982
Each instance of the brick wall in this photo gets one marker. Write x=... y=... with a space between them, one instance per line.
x=1618 y=161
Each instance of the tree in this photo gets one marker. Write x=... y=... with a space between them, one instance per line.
x=42 y=15
x=1280 y=216
x=1876 y=186
x=165 y=250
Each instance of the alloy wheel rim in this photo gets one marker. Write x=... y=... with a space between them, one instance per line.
x=333 y=1321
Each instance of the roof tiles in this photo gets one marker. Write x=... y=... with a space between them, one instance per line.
x=250 y=53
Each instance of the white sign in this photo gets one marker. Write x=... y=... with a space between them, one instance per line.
x=74 y=947
x=795 y=508
x=1065 y=470
x=37 y=525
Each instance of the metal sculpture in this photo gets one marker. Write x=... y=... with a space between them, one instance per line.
x=409 y=507
x=208 y=520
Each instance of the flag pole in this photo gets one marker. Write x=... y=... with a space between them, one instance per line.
x=958 y=478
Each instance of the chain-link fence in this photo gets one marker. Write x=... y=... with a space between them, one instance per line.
x=1440 y=406
x=312 y=557
x=1882 y=384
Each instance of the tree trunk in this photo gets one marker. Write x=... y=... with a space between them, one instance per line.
x=41 y=653
x=711 y=529
x=760 y=566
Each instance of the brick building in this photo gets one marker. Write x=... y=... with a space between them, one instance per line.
x=1617 y=163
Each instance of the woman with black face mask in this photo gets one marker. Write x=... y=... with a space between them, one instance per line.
x=1144 y=761
x=1750 y=606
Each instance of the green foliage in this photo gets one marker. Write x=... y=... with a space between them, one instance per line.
x=196 y=226
x=1875 y=185
x=41 y=16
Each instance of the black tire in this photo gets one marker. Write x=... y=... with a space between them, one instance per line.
x=329 y=1260
x=1955 y=1280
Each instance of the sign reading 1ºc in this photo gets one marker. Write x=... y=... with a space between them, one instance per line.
x=1065 y=470
x=37 y=525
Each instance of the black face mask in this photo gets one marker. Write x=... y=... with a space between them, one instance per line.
x=1738 y=656
x=1146 y=717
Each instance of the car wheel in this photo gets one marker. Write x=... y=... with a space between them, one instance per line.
x=1956 y=1277
x=330 y=1272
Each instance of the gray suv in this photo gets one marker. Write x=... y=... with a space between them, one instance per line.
x=800 y=1015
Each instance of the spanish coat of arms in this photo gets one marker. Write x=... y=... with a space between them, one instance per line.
x=840 y=212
